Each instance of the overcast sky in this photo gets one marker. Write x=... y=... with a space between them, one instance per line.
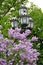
x=37 y=2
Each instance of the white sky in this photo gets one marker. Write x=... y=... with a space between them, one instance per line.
x=37 y=2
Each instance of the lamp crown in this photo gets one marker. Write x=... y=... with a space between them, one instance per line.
x=22 y=6
x=13 y=19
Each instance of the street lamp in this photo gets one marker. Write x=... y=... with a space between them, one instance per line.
x=30 y=23
x=22 y=8
x=14 y=22
x=25 y=20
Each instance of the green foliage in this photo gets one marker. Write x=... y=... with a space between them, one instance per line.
x=6 y=5
x=37 y=16
x=1 y=54
x=8 y=8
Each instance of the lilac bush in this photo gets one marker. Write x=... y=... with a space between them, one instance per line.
x=22 y=53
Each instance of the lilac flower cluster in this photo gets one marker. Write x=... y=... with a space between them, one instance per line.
x=34 y=38
x=30 y=54
x=5 y=44
x=17 y=35
x=27 y=52
x=24 y=49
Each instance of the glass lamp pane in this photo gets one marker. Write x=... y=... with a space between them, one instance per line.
x=15 y=24
x=20 y=11
x=24 y=20
x=21 y=20
x=31 y=24
x=28 y=24
x=12 y=24
x=27 y=20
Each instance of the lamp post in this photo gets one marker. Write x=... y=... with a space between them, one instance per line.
x=25 y=20
x=14 y=22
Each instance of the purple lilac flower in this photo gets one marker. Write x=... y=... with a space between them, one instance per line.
x=10 y=32
x=22 y=36
x=17 y=30
x=24 y=47
x=17 y=35
x=1 y=36
x=30 y=54
x=9 y=53
x=22 y=63
x=2 y=46
x=6 y=40
x=3 y=61
x=10 y=62
x=34 y=38
x=27 y=32
x=2 y=49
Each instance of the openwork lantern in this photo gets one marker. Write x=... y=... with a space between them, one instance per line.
x=22 y=8
x=14 y=22
x=30 y=24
